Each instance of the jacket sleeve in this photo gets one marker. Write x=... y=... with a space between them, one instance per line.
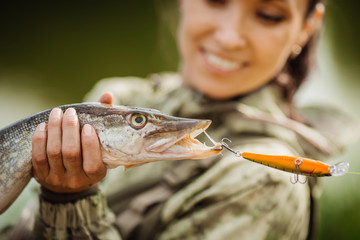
x=74 y=216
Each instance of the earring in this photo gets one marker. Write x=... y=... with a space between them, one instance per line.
x=295 y=51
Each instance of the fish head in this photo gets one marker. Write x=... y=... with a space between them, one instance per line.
x=135 y=136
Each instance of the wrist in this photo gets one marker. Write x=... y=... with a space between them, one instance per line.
x=55 y=197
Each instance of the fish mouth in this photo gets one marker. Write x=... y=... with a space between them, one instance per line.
x=183 y=143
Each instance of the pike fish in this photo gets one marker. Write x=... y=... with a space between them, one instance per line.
x=129 y=136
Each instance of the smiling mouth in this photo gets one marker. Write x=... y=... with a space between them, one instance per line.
x=222 y=65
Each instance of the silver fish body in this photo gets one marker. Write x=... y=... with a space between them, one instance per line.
x=129 y=136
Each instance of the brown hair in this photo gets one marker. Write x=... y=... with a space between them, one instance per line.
x=297 y=69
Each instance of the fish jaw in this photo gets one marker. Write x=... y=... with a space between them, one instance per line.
x=190 y=148
x=183 y=145
x=173 y=132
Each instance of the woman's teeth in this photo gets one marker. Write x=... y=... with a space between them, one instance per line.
x=221 y=63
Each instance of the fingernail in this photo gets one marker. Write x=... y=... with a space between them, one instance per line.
x=87 y=130
x=56 y=113
x=70 y=112
x=41 y=127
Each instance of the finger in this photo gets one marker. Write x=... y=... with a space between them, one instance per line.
x=107 y=98
x=54 y=143
x=92 y=162
x=71 y=149
x=39 y=158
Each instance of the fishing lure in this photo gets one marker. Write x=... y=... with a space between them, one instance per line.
x=296 y=165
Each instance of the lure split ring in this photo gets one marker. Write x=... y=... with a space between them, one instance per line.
x=225 y=145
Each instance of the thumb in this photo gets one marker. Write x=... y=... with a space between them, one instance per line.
x=107 y=98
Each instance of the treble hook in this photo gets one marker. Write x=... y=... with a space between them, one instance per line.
x=225 y=145
x=296 y=178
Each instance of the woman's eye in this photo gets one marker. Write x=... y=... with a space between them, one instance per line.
x=271 y=18
x=138 y=120
x=217 y=2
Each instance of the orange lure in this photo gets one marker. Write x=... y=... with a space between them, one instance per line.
x=297 y=165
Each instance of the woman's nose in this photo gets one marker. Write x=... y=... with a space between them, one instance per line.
x=230 y=32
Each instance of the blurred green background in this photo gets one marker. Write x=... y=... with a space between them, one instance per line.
x=52 y=53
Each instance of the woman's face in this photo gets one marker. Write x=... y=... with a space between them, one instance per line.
x=232 y=47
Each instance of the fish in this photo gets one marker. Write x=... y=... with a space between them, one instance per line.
x=129 y=136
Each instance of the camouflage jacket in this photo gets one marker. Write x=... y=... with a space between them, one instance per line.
x=220 y=198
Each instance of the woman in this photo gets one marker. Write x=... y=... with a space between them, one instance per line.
x=241 y=62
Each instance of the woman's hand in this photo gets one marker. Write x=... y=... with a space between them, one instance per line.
x=65 y=160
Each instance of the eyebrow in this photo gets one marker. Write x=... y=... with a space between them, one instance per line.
x=286 y=1
x=279 y=1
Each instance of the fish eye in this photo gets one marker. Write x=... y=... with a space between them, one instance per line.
x=138 y=120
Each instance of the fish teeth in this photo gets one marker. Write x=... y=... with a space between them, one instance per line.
x=221 y=63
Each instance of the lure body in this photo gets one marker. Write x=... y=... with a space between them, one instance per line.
x=299 y=165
